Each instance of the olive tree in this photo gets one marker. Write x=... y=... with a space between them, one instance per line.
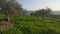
x=10 y=7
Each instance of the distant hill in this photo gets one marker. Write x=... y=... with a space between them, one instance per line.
x=28 y=13
x=56 y=12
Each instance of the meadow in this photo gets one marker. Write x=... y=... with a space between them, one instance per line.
x=33 y=25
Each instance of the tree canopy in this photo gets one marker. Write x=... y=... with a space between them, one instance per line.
x=10 y=7
x=43 y=12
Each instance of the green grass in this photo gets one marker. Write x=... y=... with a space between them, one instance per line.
x=33 y=25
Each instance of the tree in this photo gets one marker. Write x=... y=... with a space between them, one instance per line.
x=43 y=12
x=49 y=12
x=10 y=7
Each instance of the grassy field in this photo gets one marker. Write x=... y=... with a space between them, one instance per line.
x=33 y=25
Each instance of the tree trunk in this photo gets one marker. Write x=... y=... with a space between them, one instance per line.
x=8 y=18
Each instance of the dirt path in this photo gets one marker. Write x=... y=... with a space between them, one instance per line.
x=5 y=25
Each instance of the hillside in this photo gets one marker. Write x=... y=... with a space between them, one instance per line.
x=56 y=12
x=33 y=25
x=28 y=13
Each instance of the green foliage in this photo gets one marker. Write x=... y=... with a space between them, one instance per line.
x=11 y=7
x=33 y=25
x=11 y=31
x=43 y=13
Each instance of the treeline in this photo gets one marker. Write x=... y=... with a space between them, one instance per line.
x=42 y=12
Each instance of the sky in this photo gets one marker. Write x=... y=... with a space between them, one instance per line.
x=39 y=4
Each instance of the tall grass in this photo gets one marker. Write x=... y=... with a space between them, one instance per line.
x=33 y=25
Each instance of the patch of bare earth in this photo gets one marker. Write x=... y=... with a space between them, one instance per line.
x=5 y=25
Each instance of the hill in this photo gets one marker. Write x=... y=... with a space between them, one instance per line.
x=33 y=25
x=28 y=13
x=56 y=12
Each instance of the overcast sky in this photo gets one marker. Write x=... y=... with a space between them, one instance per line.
x=39 y=4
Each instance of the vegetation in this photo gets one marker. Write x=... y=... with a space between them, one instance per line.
x=33 y=25
x=43 y=12
x=10 y=7
x=12 y=11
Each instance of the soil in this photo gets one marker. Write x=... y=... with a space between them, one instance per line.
x=5 y=25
